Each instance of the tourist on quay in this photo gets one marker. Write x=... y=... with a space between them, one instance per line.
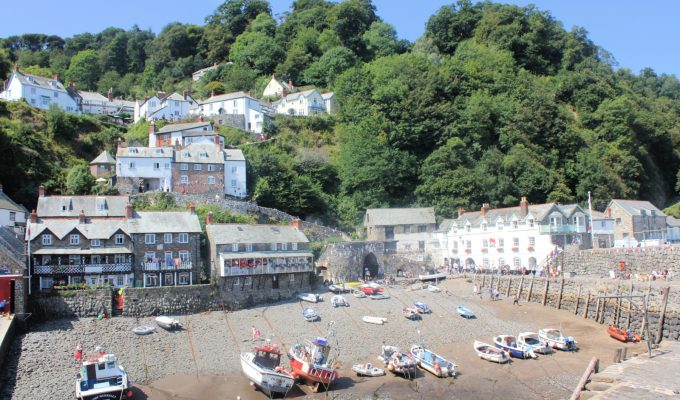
x=515 y=301
x=256 y=335
x=79 y=353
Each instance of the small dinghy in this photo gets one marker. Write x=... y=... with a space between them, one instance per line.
x=379 y=296
x=144 y=330
x=367 y=370
x=491 y=353
x=410 y=313
x=623 y=335
x=310 y=297
x=556 y=340
x=422 y=308
x=340 y=288
x=433 y=362
x=359 y=294
x=339 y=301
x=433 y=288
x=432 y=276
x=509 y=344
x=397 y=362
x=532 y=339
x=310 y=314
x=374 y=320
x=465 y=312
x=168 y=323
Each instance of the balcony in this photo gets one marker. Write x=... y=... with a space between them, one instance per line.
x=162 y=267
x=554 y=229
x=82 y=269
x=259 y=270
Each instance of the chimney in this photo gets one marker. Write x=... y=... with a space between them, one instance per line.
x=186 y=94
x=146 y=98
x=128 y=211
x=217 y=142
x=209 y=218
x=41 y=191
x=55 y=77
x=461 y=211
x=290 y=83
x=485 y=208
x=192 y=208
x=72 y=86
x=152 y=128
x=212 y=94
x=110 y=94
x=296 y=223
x=16 y=67
x=34 y=217
x=200 y=118
x=609 y=212
x=523 y=207
x=81 y=217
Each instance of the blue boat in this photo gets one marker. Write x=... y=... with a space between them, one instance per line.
x=310 y=314
x=509 y=343
x=465 y=312
x=432 y=362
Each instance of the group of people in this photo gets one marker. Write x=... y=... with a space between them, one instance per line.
x=493 y=294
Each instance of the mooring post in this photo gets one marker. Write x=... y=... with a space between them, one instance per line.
x=519 y=289
x=531 y=287
x=559 y=297
x=585 y=313
x=545 y=290
x=593 y=367
x=483 y=281
x=645 y=321
x=578 y=299
x=617 y=356
x=507 y=292
x=630 y=305
x=664 y=303
x=597 y=310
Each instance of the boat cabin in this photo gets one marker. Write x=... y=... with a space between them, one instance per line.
x=100 y=372
x=320 y=351
x=268 y=356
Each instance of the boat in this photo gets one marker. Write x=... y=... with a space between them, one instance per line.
x=374 y=320
x=422 y=308
x=371 y=288
x=432 y=362
x=312 y=363
x=359 y=294
x=410 y=313
x=465 y=312
x=367 y=370
x=379 y=296
x=340 y=288
x=310 y=314
x=532 y=339
x=509 y=344
x=397 y=362
x=623 y=335
x=491 y=353
x=433 y=288
x=144 y=330
x=310 y=297
x=339 y=301
x=262 y=367
x=168 y=323
x=556 y=340
x=101 y=377
x=432 y=276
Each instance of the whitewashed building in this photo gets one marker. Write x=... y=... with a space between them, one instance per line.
x=411 y=229
x=173 y=107
x=148 y=168
x=183 y=134
x=673 y=228
x=277 y=88
x=39 y=92
x=238 y=103
x=308 y=102
x=235 y=173
x=96 y=103
x=330 y=102
x=12 y=214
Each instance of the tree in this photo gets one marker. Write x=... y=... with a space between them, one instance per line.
x=114 y=56
x=350 y=19
x=453 y=24
x=263 y=23
x=79 y=180
x=381 y=40
x=258 y=51
x=331 y=64
x=84 y=69
x=5 y=64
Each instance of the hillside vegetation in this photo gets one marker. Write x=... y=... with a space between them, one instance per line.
x=492 y=103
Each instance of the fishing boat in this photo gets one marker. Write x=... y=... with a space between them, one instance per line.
x=432 y=362
x=491 y=353
x=432 y=276
x=371 y=288
x=168 y=323
x=359 y=294
x=397 y=362
x=367 y=370
x=410 y=313
x=312 y=363
x=556 y=340
x=465 y=312
x=433 y=288
x=379 y=296
x=339 y=301
x=374 y=320
x=532 y=339
x=310 y=297
x=262 y=367
x=509 y=344
x=144 y=330
x=623 y=335
x=340 y=288
x=101 y=377
x=422 y=308
x=310 y=314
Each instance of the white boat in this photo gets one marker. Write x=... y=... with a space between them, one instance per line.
x=411 y=313
x=101 y=377
x=378 y=296
x=359 y=294
x=422 y=308
x=339 y=301
x=509 y=344
x=556 y=340
x=144 y=330
x=532 y=339
x=310 y=297
x=374 y=320
x=397 y=362
x=313 y=363
x=340 y=288
x=491 y=353
x=310 y=314
x=433 y=288
x=168 y=323
x=262 y=367
x=367 y=370
x=433 y=276
x=433 y=362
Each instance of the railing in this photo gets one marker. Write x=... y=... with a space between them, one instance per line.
x=238 y=271
x=154 y=266
x=557 y=228
x=81 y=268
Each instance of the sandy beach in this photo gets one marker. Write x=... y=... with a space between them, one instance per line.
x=202 y=361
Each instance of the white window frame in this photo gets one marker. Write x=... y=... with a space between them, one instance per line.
x=183 y=278
x=211 y=180
x=184 y=179
x=234 y=247
x=184 y=167
x=274 y=247
x=74 y=239
x=95 y=243
x=183 y=238
x=532 y=241
x=515 y=242
x=212 y=167
x=167 y=238
x=120 y=238
x=198 y=167
x=47 y=239
x=149 y=238
x=184 y=255
x=294 y=246
x=284 y=246
x=249 y=247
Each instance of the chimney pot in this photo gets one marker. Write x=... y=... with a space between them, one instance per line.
x=209 y=218
x=110 y=94
x=192 y=208
x=461 y=211
x=34 y=217
x=55 y=77
x=297 y=223
x=41 y=191
x=128 y=211
x=16 y=67
x=523 y=207
x=485 y=208
x=152 y=127
x=81 y=217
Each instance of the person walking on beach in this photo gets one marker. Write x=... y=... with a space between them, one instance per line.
x=515 y=301
x=256 y=334
x=495 y=294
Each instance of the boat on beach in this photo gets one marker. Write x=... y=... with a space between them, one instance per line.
x=397 y=362
x=433 y=288
x=339 y=301
x=168 y=323
x=310 y=297
x=374 y=320
x=556 y=340
x=367 y=370
x=340 y=288
x=263 y=369
x=310 y=314
x=432 y=362
x=422 y=308
x=509 y=344
x=379 y=296
x=371 y=288
x=101 y=377
x=465 y=312
x=312 y=363
x=623 y=335
x=432 y=276
x=411 y=313
x=491 y=353
x=143 y=330
x=359 y=294
x=537 y=344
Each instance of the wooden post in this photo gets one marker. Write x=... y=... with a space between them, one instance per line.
x=659 y=331
x=578 y=298
x=585 y=312
x=597 y=311
x=559 y=297
x=644 y=315
x=531 y=287
x=624 y=353
x=592 y=367
x=545 y=290
x=507 y=292
x=483 y=281
x=617 y=356
x=498 y=283
x=630 y=305
x=519 y=289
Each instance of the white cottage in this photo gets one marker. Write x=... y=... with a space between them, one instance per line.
x=39 y=92
x=330 y=102
x=148 y=167
x=183 y=134
x=171 y=107
x=235 y=173
x=237 y=103
x=12 y=214
x=276 y=88
x=304 y=103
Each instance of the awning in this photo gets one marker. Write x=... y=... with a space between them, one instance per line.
x=85 y=252
x=264 y=254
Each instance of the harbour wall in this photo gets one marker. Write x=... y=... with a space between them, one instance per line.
x=638 y=260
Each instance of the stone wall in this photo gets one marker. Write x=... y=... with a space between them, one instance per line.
x=639 y=260
x=344 y=262
x=580 y=296
x=55 y=304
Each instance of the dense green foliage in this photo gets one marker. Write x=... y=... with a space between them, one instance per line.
x=494 y=102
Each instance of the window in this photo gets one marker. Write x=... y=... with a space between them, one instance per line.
x=167 y=238
x=467 y=228
x=618 y=221
x=514 y=224
x=468 y=244
x=74 y=239
x=249 y=247
x=501 y=243
x=422 y=228
x=248 y=281
x=119 y=258
x=47 y=240
x=45 y=100
x=407 y=228
x=168 y=279
x=273 y=247
x=237 y=281
x=233 y=183
x=183 y=238
x=131 y=165
x=291 y=278
x=120 y=281
x=203 y=154
x=120 y=238
x=95 y=243
x=184 y=179
x=501 y=262
x=532 y=241
x=32 y=90
x=485 y=263
x=167 y=165
x=56 y=95
x=211 y=180
x=484 y=227
x=531 y=223
x=183 y=278
x=294 y=246
x=198 y=167
x=233 y=170
x=212 y=167
x=500 y=225
x=284 y=246
x=516 y=262
x=184 y=256
x=47 y=282
x=184 y=167
x=156 y=166
x=485 y=243
x=515 y=242
x=152 y=280
x=149 y=256
x=12 y=216
x=150 y=238
x=234 y=247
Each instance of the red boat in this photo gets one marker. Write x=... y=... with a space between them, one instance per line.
x=312 y=363
x=623 y=335
x=371 y=289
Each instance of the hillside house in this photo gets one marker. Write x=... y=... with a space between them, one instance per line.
x=411 y=228
x=183 y=134
x=144 y=168
x=172 y=107
x=636 y=222
x=199 y=168
x=12 y=215
x=39 y=92
x=330 y=102
x=96 y=103
x=308 y=102
x=104 y=166
x=235 y=173
x=238 y=105
x=277 y=88
x=12 y=252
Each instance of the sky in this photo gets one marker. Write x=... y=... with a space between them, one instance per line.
x=638 y=34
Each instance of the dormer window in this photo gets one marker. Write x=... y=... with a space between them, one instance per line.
x=531 y=222
x=484 y=226
x=500 y=225
x=643 y=213
x=467 y=228
x=133 y=150
x=53 y=83
x=101 y=204
x=159 y=151
x=653 y=213
x=203 y=154
x=514 y=224
x=186 y=154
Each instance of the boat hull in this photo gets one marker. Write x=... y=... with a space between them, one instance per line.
x=268 y=381
x=312 y=373
x=433 y=363
x=514 y=351
x=561 y=343
x=490 y=353
x=464 y=312
x=109 y=395
x=622 y=335
x=432 y=277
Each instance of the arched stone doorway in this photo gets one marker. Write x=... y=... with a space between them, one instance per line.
x=371 y=266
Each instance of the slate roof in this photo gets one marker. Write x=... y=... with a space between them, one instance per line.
x=92 y=96
x=200 y=153
x=6 y=203
x=673 y=222
x=164 y=222
x=297 y=95
x=199 y=133
x=445 y=226
x=226 y=96
x=633 y=207
x=399 y=216
x=145 y=152
x=70 y=206
x=38 y=81
x=328 y=95
x=240 y=233
x=234 y=155
x=95 y=228
x=538 y=211
x=104 y=158
x=182 y=127
x=11 y=249
x=598 y=215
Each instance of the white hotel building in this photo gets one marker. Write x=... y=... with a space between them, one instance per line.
x=511 y=238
